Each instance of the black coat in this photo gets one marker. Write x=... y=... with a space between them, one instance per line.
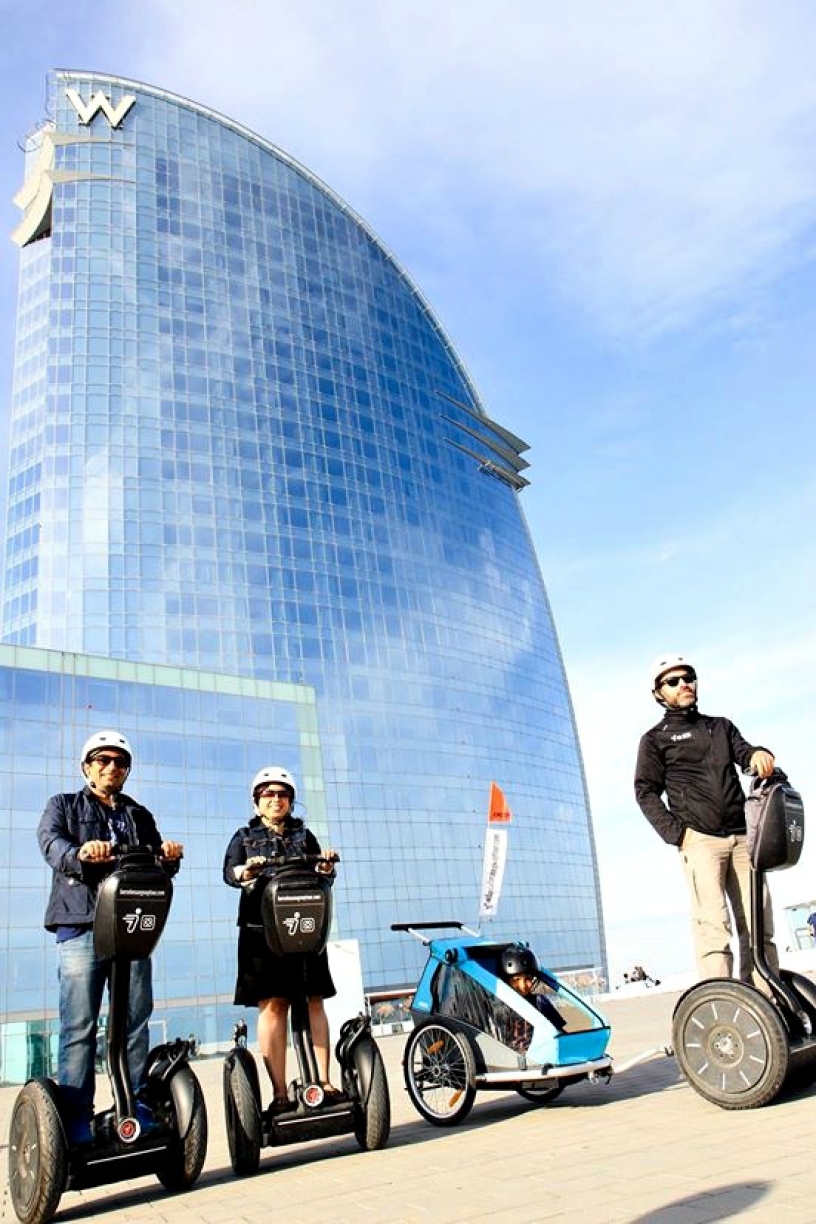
x=691 y=758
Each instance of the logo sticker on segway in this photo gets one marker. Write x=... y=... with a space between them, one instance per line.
x=297 y=923
x=138 y=921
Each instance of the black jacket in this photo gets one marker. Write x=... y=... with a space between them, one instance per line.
x=66 y=824
x=691 y=757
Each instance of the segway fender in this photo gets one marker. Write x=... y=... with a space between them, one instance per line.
x=240 y=1054
x=182 y=1088
x=364 y=1055
x=356 y=1049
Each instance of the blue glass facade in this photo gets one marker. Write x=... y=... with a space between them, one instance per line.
x=241 y=444
x=197 y=739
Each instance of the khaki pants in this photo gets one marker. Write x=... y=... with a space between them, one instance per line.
x=718 y=876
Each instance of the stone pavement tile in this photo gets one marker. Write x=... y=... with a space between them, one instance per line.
x=642 y=1149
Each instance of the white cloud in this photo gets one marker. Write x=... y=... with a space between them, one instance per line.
x=655 y=159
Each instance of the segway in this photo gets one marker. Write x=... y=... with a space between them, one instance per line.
x=296 y=915
x=131 y=910
x=737 y=1047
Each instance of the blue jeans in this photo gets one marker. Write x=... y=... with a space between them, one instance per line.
x=82 y=979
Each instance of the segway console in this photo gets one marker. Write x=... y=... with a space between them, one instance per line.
x=738 y=1046
x=296 y=911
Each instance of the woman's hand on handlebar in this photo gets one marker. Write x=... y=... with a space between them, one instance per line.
x=245 y=872
x=325 y=864
x=172 y=850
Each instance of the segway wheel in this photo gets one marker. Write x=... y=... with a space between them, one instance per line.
x=242 y=1107
x=439 y=1070
x=541 y=1095
x=731 y=1044
x=372 y=1117
x=185 y=1158
x=38 y=1154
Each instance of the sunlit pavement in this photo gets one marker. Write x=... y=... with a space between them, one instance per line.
x=642 y=1148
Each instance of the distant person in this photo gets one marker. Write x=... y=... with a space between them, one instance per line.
x=811 y=921
x=692 y=759
x=78 y=835
x=639 y=974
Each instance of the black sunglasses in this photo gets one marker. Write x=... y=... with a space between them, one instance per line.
x=685 y=678
x=103 y=759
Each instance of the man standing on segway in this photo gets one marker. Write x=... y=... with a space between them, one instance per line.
x=78 y=835
x=692 y=758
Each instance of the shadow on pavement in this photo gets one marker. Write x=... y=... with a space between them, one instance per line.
x=706 y=1208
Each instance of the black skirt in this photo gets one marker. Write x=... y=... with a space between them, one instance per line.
x=262 y=975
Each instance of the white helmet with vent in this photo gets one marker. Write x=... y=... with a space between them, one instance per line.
x=664 y=663
x=273 y=773
x=105 y=739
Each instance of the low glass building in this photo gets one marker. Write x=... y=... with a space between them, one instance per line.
x=242 y=448
x=196 y=738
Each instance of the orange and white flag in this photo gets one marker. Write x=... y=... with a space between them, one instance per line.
x=498 y=813
x=495 y=855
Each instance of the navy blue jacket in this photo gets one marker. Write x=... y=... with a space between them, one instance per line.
x=66 y=824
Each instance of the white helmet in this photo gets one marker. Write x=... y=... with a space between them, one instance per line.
x=667 y=662
x=273 y=773
x=106 y=739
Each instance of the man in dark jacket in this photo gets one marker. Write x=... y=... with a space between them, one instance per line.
x=691 y=758
x=78 y=834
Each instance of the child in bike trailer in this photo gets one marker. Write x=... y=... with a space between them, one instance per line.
x=520 y=970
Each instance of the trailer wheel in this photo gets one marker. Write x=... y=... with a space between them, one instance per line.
x=439 y=1070
x=541 y=1095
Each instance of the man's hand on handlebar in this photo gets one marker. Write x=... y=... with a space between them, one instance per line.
x=95 y=851
x=104 y=851
x=325 y=864
x=762 y=763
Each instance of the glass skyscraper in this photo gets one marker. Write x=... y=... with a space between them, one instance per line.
x=249 y=478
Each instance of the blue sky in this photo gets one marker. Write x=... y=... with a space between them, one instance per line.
x=612 y=211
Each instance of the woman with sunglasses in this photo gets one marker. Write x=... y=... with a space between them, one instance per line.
x=266 y=981
x=692 y=759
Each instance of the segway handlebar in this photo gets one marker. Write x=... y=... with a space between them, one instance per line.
x=119 y=852
x=264 y=865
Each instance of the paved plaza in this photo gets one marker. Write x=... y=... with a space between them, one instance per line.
x=643 y=1149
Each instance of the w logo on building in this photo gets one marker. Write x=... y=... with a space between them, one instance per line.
x=113 y=114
